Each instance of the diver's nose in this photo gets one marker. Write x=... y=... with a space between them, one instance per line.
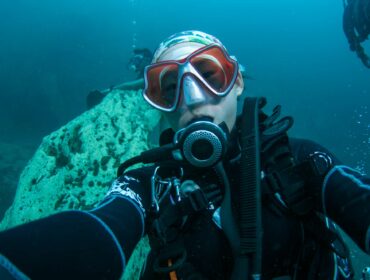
x=192 y=91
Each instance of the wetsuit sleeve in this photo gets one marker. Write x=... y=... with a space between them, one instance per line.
x=67 y=245
x=346 y=200
x=79 y=244
x=124 y=208
x=344 y=195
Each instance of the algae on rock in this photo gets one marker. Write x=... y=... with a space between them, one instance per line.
x=75 y=165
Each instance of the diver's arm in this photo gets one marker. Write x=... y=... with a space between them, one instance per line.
x=72 y=245
x=342 y=193
x=346 y=200
x=78 y=244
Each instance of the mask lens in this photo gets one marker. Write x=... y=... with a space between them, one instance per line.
x=162 y=85
x=213 y=65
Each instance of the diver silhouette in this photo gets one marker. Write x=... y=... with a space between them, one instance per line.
x=356 y=26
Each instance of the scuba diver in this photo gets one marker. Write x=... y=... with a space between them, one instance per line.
x=224 y=196
x=356 y=26
x=140 y=59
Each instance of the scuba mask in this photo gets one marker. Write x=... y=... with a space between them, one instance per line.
x=209 y=68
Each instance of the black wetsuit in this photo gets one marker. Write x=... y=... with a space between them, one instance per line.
x=96 y=244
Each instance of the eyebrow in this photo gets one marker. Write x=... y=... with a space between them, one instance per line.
x=163 y=72
x=212 y=58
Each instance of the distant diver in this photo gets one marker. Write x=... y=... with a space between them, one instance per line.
x=356 y=26
x=141 y=58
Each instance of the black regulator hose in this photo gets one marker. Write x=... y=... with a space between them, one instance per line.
x=159 y=154
x=201 y=144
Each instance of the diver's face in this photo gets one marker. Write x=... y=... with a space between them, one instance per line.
x=201 y=103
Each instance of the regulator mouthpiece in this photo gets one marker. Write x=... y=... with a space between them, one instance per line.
x=202 y=143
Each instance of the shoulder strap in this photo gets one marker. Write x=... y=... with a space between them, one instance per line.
x=248 y=259
x=290 y=180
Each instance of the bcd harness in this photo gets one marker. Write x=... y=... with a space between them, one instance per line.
x=263 y=140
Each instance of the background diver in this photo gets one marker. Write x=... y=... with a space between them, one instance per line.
x=140 y=59
x=356 y=26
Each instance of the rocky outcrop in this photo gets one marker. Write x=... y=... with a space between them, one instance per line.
x=75 y=165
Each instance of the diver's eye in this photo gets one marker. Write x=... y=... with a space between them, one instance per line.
x=170 y=87
x=215 y=78
x=208 y=74
x=211 y=72
x=168 y=94
x=169 y=84
x=168 y=90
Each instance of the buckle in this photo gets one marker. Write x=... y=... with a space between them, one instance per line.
x=193 y=202
x=198 y=200
x=273 y=181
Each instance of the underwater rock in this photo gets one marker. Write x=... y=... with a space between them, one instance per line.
x=75 y=165
x=96 y=96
